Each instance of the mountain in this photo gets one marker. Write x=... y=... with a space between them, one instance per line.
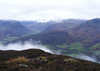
x=37 y=60
x=50 y=29
x=42 y=26
x=56 y=33
x=35 y=26
x=87 y=33
x=12 y=29
x=46 y=38
x=64 y=25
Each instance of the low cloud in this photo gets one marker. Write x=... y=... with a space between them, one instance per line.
x=28 y=45
x=86 y=57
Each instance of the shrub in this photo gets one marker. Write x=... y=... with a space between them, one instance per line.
x=18 y=60
x=70 y=60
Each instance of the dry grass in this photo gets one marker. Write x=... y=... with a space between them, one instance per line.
x=18 y=60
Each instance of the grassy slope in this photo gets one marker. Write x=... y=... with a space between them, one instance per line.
x=37 y=60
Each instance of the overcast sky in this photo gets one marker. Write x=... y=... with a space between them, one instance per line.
x=49 y=9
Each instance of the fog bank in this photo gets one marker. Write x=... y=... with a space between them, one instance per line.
x=27 y=45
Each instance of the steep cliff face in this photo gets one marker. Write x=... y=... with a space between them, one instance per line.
x=37 y=60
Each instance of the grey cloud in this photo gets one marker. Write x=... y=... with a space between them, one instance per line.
x=29 y=9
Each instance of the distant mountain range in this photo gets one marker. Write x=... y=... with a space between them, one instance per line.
x=85 y=31
x=10 y=29
x=70 y=31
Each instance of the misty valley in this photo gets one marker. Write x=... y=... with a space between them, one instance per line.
x=49 y=35
x=69 y=44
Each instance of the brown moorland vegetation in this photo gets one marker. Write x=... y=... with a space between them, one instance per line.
x=37 y=60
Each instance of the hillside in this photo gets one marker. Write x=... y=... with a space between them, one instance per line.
x=12 y=29
x=87 y=33
x=35 y=26
x=46 y=38
x=64 y=25
x=37 y=60
x=52 y=33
